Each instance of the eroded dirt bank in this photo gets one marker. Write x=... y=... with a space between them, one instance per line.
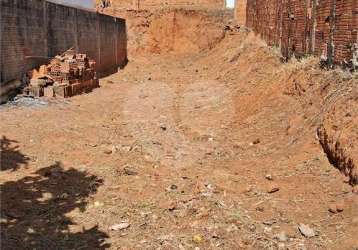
x=171 y=30
x=217 y=150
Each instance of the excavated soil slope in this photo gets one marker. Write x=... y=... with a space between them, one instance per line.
x=211 y=150
x=172 y=31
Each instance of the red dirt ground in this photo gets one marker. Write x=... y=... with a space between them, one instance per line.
x=216 y=150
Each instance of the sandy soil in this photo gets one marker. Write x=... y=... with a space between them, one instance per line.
x=216 y=150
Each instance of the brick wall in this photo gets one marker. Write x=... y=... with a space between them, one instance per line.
x=157 y=4
x=34 y=29
x=325 y=28
x=240 y=12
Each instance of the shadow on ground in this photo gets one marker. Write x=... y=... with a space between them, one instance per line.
x=34 y=209
x=10 y=156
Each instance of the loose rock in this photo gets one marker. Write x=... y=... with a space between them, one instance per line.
x=306 y=231
x=172 y=187
x=129 y=171
x=336 y=208
x=281 y=237
x=120 y=226
x=340 y=206
x=197 y=238
x=269 y=177
x=332 y=208
x=107 y=151
x=273 y=189
x=126 y=148
x=257 y=141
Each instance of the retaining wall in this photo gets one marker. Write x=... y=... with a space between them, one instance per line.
x=326 y=28
x=32 y=30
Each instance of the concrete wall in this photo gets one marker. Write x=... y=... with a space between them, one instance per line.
x=322 y=27
x=33 y=29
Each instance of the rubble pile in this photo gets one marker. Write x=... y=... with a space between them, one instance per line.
x=66 y=75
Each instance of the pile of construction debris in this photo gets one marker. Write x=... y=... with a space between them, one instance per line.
x=66 y=75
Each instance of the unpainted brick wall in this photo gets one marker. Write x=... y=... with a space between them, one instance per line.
x=240 y=12
x=34 y=29
x=158 y=4
x=326 y=28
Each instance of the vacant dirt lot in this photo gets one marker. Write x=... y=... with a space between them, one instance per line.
x=216 y=150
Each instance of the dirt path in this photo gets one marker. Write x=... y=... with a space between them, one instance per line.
x=168 y=151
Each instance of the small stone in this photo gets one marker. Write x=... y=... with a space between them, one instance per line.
x=120 y=226
x=267 y=230
x=257 y=141
x=113 y=149
x=269 y=177
x=273 y=189
x=197 y=238
x=107 y=151
x=252 y=227
x=260 y=209
x=129 y=171
x=269 y=222
x=332 y=208
x=172 y=187
x=306 y=231
x=98 y=204
x=126 y=148
x=281 y=237
x=163 y=127
x=248 y=190
x=340 y=206
x=64 y=196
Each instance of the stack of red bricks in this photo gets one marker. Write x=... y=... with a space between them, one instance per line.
x=65 y=76
x=326 y=28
